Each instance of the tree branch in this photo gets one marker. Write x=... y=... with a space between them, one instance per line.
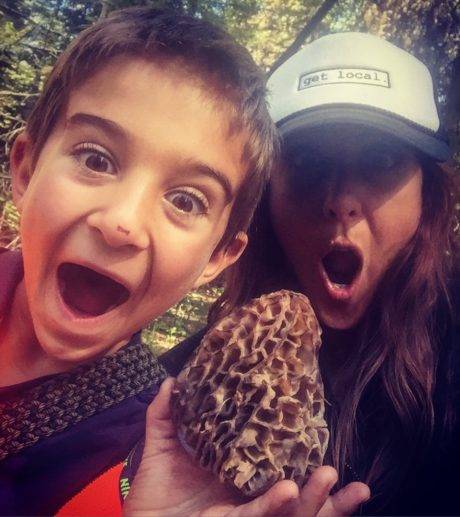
x=15 y=119
x=321 y=12
x=17 y=94
x=14 y=13
x=104 y=9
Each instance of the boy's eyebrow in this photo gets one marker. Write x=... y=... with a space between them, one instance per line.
x=108 y=126
x=205 y=170
x=117 y=131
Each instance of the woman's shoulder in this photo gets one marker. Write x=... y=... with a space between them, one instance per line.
x=455 y=295
x=452 y=316
x=449 y=326
x=447 y=392
x=454 y=282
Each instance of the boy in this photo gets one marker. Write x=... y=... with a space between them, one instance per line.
x=136 y=178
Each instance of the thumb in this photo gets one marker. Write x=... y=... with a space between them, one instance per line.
x=158 y=421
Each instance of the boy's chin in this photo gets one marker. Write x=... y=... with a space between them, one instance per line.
x=74 y=351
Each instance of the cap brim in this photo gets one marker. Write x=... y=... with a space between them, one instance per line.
x=428 y=143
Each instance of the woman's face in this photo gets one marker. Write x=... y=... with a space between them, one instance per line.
x=348 y=201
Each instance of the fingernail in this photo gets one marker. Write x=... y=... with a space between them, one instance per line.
x=366 y=497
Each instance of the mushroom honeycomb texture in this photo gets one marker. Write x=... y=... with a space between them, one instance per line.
x=249 y=405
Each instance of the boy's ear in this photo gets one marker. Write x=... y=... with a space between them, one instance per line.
x=20 y=167
x=223 y=258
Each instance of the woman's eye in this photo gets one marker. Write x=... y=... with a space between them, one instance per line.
x=187 y=202
x=95 y=160
x=382 y=167
x=308 y=172
x=381 y=160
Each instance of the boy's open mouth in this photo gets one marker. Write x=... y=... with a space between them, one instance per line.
x=87 y=292
x=342 y=266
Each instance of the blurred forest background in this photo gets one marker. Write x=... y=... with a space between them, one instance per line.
x=34 y=32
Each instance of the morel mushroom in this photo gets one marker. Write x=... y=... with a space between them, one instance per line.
x=249 y=405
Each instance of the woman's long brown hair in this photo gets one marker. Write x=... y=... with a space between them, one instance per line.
x=396 y=356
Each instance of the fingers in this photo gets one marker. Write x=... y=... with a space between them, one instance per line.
x=315 y=493
x=277 y=501
x=159 y=425
x=346 y=501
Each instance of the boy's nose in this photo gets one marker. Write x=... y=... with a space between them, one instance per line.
x=120 y=225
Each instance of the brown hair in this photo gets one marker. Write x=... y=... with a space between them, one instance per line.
x=395 y=361
x=206 y=53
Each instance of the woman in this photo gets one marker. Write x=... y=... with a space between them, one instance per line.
x=359 y=219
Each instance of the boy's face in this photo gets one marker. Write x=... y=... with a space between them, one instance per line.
x=124 y=209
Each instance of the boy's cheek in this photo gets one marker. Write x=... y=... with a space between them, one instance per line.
x=52 y=190
x=176 y=266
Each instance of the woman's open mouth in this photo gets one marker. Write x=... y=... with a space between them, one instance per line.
x=341 y=267
x=88 y=293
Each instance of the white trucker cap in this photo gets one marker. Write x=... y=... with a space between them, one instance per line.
x=357 y=78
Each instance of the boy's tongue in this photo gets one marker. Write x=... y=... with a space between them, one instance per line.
x=88 y=292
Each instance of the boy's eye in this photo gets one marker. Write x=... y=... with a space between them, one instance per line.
x=188 y=202
x=93 y=158
x=96 y=162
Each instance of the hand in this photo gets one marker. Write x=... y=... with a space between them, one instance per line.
x=168 y=483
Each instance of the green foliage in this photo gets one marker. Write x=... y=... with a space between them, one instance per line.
x=268 y=27
x=9 y=224
x=182 y=320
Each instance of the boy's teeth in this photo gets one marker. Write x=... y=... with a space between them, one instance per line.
x=340 y=286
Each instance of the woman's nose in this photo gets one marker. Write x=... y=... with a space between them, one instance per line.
x=343 y=203
x=121 y=223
